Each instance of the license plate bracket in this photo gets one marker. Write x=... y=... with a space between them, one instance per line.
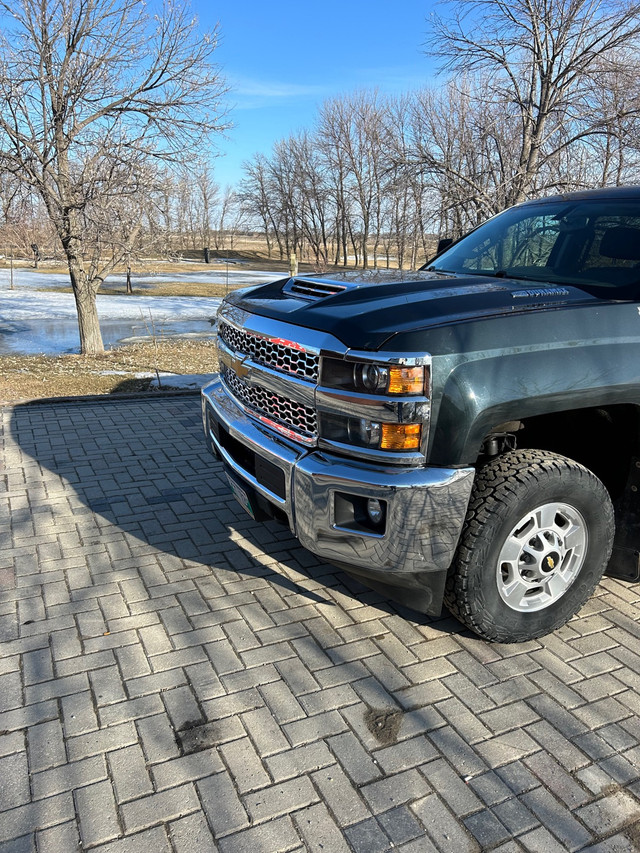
x=242 y=494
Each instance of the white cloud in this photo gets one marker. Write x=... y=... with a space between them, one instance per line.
x=246 y=87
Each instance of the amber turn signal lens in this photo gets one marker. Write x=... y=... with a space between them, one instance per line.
x=406 y=380
x=400 y=436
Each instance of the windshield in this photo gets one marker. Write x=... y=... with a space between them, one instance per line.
x=592 y=244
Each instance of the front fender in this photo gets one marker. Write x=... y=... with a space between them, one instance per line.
x=491 y=388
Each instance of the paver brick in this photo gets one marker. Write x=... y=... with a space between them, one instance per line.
x=367 y=837
x=129 y=773
x=224 y=810
x=514 y=815
x=191 y=834
x=314 y=728
x=610 y=813
x=39 y=815
x=159 y=808
x=456 y=793
x=11 y=742
x=396 y=790
x=181 y=706
x=296 y=674
x=154 y=604
x=14 y=789
x=142 y=842
x=132 y=662
x=245 y=765
x=57 y=839
x=68 y=777
x=85 y=663
x=78 y=714
x=97 y=813
x=556 y=744
x=283 y=798
x=186 y=768
x=487 y=829
x=102 y=740
x=264 y=731
x=556 y=819
x=55 y=688
x=443 y=829
x=278 y=835
x=507 y=747
x=466 y=761
x=560 y=783
x=341 y=796
x=46 y=746
x=36 y=666
x=319 y=830
x=157 y=737
x=244 y=679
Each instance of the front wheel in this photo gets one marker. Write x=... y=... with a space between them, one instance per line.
x=536 y=541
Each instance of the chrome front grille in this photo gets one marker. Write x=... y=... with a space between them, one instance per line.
x=282 y=412
x=275 y=353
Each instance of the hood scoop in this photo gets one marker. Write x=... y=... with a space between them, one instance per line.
x=313 y=288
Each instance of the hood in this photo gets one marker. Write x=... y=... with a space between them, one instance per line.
x=365 y=308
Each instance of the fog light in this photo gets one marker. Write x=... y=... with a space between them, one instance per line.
x=375 y=510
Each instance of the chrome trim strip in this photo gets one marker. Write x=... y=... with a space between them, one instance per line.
x=270 y=496
x=314 y=342
x=410 y=359
x=407 y=410
x=381 y=457
x=284 y=384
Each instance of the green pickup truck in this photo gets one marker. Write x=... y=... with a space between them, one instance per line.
x=468 y=433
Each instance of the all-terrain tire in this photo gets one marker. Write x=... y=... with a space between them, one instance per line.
x=536 y=540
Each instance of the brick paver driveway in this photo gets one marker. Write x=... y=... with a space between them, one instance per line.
x=174 y=677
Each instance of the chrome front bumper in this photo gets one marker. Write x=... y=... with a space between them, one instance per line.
x=425 y=511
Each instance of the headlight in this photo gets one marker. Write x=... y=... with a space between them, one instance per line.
x=372 y=378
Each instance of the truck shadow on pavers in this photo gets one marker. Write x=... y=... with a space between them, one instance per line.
x=141 y=495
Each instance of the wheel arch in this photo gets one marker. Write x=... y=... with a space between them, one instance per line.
x=604 y=439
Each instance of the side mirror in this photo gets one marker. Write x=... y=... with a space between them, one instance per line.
x=443 y=243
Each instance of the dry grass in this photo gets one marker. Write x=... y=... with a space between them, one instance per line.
x=163 y=288
x=28 y=377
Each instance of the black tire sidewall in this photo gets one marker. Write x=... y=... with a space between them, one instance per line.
x=492 y=615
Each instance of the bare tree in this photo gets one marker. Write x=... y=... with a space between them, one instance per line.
x=256 y=197
x=93 y=92
x=229 y=219
x=206 y=193
x=541 y=59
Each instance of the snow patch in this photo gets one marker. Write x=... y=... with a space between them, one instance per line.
x=34 y=305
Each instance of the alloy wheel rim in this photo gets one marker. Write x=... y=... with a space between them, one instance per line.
x=541 y=557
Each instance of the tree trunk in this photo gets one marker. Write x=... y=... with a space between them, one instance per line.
x=88 y=324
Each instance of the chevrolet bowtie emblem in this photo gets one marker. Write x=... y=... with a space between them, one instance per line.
x=237 y=365
x=551 y=563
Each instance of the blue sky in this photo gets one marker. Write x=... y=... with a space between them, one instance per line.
x=282 y=60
